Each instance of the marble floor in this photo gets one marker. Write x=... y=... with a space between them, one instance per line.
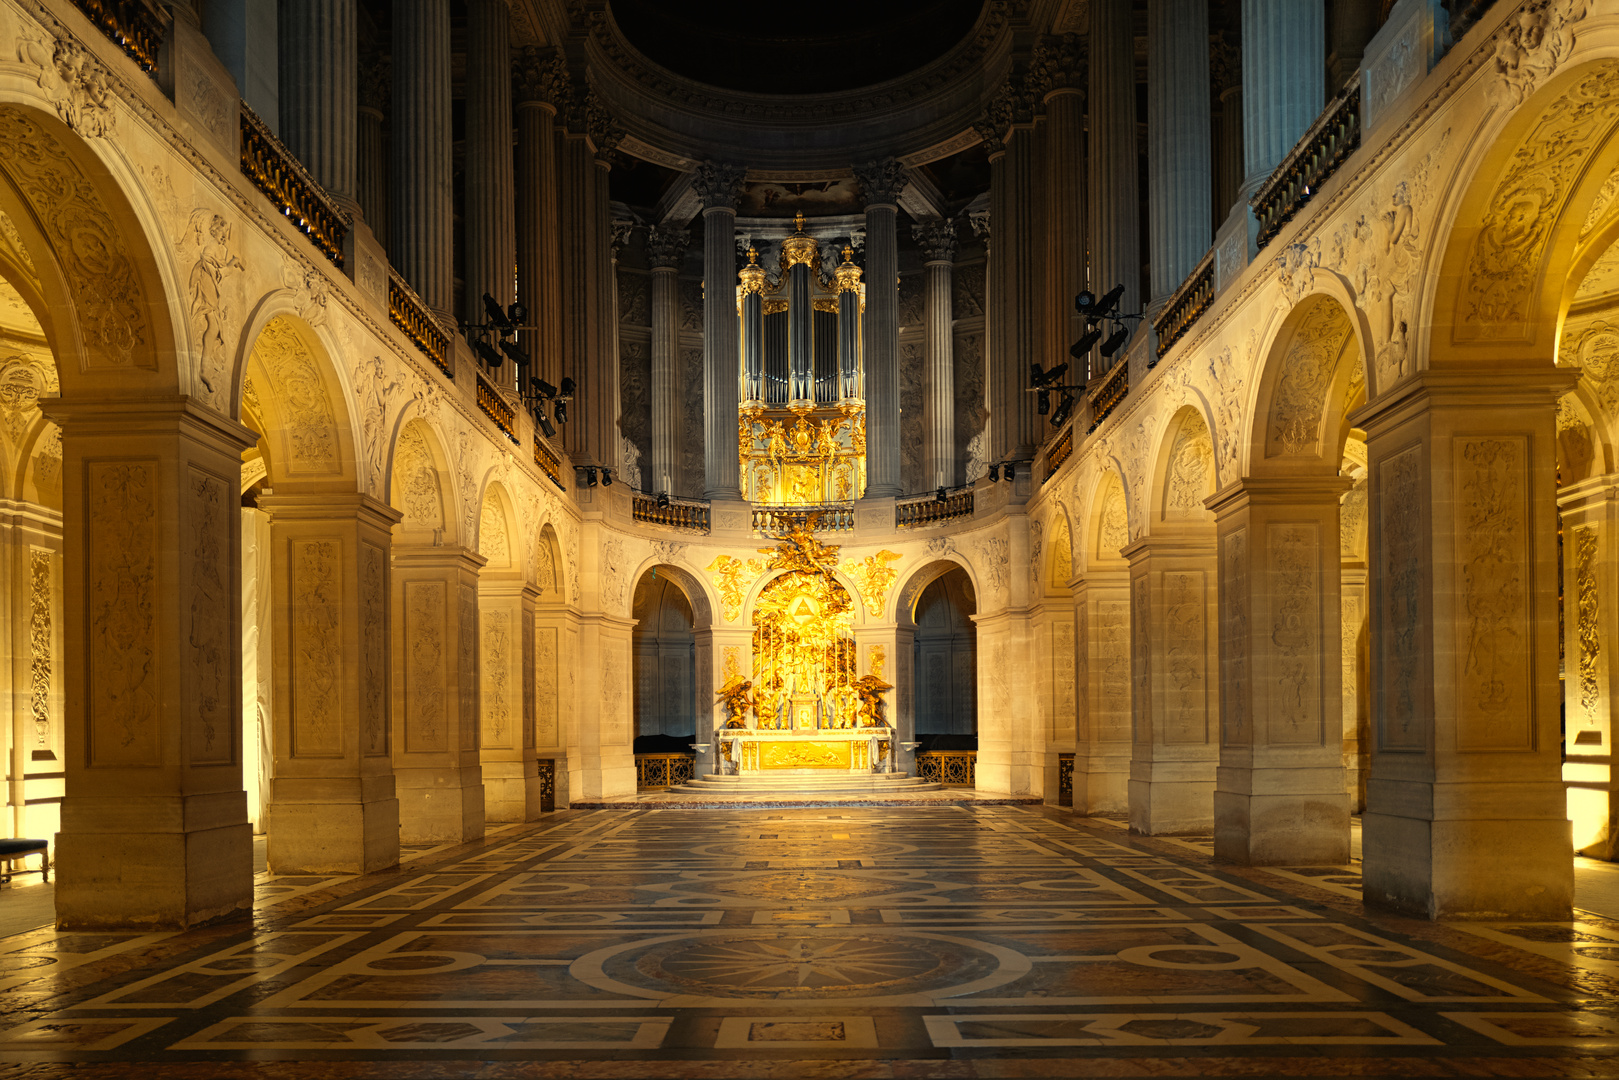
x=927 y=941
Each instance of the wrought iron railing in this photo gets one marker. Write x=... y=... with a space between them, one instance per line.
x=497 y=408
x=131 y=24
x=952 y=768
x=548 y=784
x=407 y=312
x=1327 y=145
x=1109 y=395
x=1187 y=306
x=1065 y=779
x=829 y=517
x=1060 y=449
x=671 y=512
x=281 y=177
x=921 y=511
x=549 y=461
x=657 y=771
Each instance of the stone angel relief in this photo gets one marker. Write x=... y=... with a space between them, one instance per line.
x=736 y=695
x=871 y=690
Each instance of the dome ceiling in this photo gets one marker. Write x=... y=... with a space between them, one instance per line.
x=790 y=49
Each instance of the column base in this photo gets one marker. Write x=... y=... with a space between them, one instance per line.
x=1282 y=826
x=511 y=791
x=440 y=806
x=343 y=833
x=1102 y=782
x=1469 y=869
x=1171 y=798
x=129 y=864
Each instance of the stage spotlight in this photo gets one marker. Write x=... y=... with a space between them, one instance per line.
x=1044 y=400
x=560 y=411
x=1085 y=344
x=1109 y=300
x=488 y=355
x=607 y=478
x=994 y=473
x=663 y=499
x=1010 y=471
x=1114 y=343
x=544 y=389
x=516 y=352
x=544 y=421
x=939 y=496
x=496 y=313
x=567 y=389
x=1037 y=375
x=1085 y=303
x=517 y=313
x=1054 y=376
x=1065 y=408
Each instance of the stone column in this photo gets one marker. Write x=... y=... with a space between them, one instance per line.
x=489 y=227
x=881 y=183
x=1283 y=50
x=1465 y=809
x=1173 y=695
x=1225 y=87
x=1178 y=164
x=540 y=91
x=1058 y=75
x=318 y=89
x=435 y=694
x=554 y=628
x=1115 y=208
x=666 y=251
x=333 y=809
x=421 y=214
x=602 y=392
x=718 y=185
x=1590 y=510
x=155 y=830
x=1352 y=27
x=1279 y=796
x=938 y=242
x=576 y=201
x=511 y=776
x=371 y=163
x=1102 y=727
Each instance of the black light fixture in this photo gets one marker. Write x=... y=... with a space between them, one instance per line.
x=663 y=500
x=1085 y=303
x=939 y=496
x=994 y=472
x=542 y=389
x=585 y=475
x=544 y=422
x=1009 y=470
x=567 y=389
x=518 y=354
x=560 y=411
x=1109 y=300
x=487 y=354
x=496 y=313
x=1086 y=343
x=607 y=477
x=1043 y=400
x=517 y=312
x=1065 y=409
x=1114 y=343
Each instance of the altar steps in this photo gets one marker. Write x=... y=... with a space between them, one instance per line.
x=808 y=782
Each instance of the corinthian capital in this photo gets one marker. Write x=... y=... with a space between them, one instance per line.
x=605 y=135
x=540 y=75
x=1013 y=105
x=937 y=238
x=1059 y=64
x=666 y=247
x=719 y=184
x=881 y=181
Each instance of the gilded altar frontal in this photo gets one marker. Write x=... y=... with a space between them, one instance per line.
x=959 y=538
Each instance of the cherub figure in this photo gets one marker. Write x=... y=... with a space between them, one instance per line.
x=738 y=701
x=871 y=690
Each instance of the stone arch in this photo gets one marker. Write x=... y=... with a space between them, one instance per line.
x=1312 y=372
x=695 y=589
x=498 y=538
x=762 y=582
x=921 y=577
x=420 y=486
x=1183 y=473
x=549 y=569
x=97 y=286
x=1108 y=529
x=293 y=395
x=39 y=471
x=664 y=647
x=1058 y=557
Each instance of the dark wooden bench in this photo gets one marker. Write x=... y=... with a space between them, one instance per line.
x=13 y=850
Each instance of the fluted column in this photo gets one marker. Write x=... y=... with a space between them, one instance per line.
x=1178 y=164
x=580 y=239
x=541 y=88
x=1115 y=227
x=1225 y=87
x=603 y=402
x=1058 y=72
x=938 y=242
x=489 y=227
x=847 y=276
x=421 y=216
x=753 y=330
x=881 y=183
x=718 y=185
x=1283 y=50
x=665 y=250
x=371 y=164
x=318 y=55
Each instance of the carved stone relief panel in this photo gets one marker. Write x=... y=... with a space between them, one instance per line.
x=497 y=711
x=1587 y=626
x=301 y=399
x=692 y=437
x=1062 y=675
x=466 y=615
x=1300 y=399
x=373 y=650
x=1294 y=687
x=210 y=734
x=317 y=648
x=1140 y=660
x=545 y=686
x=426 y=610
x=971 y=411
x=528 y=682
x=633 y=308
x=615 y=716
x=1185 y=657
x=41 y=648
x=1494 y=707
x=1112 y=520
x=416 y=484
x=967 y=290
x=1401 y=602
x=493 y=542
x=1111 y=708
x=1235 y=681
x=635 y=408
x=911 y=432
x=121 y=542
x=1190 y=478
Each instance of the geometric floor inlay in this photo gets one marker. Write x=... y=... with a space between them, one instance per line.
x=623 y=941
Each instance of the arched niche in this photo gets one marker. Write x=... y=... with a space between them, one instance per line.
x=1058 y=557
x=1183 y=475
x=498 y=537
x=549 y=568
x=293 y=397
x=1108 y=530
x=945 y=654
x=1312 y=375
x=420 y=487
x=664 y=661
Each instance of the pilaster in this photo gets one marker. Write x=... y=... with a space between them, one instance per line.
x=1102 y=743
x=1590 y=511
x=511 y=777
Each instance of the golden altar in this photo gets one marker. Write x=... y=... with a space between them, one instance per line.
x=852 y=750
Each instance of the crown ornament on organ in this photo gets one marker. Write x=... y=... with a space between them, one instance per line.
x=800 y=247
x=752 y=275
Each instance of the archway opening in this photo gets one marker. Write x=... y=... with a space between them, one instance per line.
x=664 y=661
x=945 y=647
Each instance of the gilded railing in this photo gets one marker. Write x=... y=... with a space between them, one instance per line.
x=921 y=511
x=548 y=460
x=1109 y=395
x=131 y=24
x=1187 y=306
x=664 y=770
x=1060 y=450
x=278 y=174
x=1065 y=779
x=671 y=512
x=497 y=408
x=407 y=312
x=952 y=768
x=1327 y=145
x=832 y=517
